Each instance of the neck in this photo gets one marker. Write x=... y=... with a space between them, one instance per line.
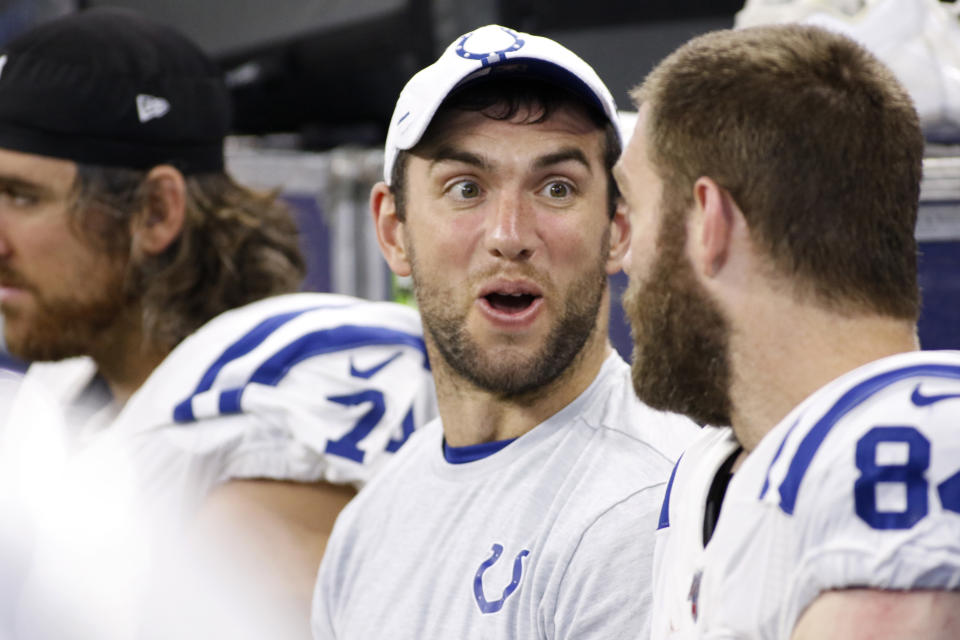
x=472 y=415
x=797 y=350
x=125 y=357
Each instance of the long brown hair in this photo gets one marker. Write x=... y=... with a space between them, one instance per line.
x=236 y=246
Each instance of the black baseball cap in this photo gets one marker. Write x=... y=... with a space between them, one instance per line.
x=111 y=87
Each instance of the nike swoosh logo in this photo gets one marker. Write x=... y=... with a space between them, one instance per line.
x=922 y=400
x=366 y=374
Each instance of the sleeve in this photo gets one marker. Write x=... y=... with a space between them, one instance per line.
x=882 y=508
x=321 y=395
x=606 y=590
x=324 y=422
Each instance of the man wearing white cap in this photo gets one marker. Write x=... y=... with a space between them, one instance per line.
x=528 y=509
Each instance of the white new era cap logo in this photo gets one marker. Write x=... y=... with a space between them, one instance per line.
x=151 y=107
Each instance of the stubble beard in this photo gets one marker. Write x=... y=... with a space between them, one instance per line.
x=681 y=357
x=65 y=327
x=502 y=371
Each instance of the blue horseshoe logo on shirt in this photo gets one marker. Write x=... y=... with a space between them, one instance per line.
x=496 y=605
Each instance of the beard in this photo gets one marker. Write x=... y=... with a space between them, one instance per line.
x=505 y=372
x=681 y=357
x=64 y=327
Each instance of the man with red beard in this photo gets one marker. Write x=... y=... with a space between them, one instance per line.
x=526 y=510
x=180 y=383
x=773 y=182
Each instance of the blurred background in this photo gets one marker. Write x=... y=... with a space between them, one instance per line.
x=314 y=83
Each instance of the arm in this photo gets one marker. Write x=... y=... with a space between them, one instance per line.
x=259 y=543
x=872 y=614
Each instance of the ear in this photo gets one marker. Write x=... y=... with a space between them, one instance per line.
x=161 y=221
x=383 y=206
x=619 y=238
x=715 y=213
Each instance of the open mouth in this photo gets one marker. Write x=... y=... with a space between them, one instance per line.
x=510 y=302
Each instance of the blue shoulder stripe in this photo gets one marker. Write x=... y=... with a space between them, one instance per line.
x=339 y=338
x=776 y=456
x=847 y=402
x=183 y=412
x=665 y=509
x=274 y=368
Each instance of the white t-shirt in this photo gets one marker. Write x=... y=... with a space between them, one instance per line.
x=550 y=537
x=859 y=486
x=301 y=387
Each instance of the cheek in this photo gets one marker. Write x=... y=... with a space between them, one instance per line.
x=639 y=256
x=443 y=243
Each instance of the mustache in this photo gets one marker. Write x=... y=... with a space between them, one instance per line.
x=11 y=278
x=512 y=271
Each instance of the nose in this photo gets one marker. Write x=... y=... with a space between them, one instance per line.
x=511 y=233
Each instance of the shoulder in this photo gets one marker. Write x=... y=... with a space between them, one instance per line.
x=693 y=474
x=382 y=503
x=295 y=340
x=854 y=427
x=302 y=386
x=310 y=312
x=858 y=487
x=62 y=378
x=615 y=410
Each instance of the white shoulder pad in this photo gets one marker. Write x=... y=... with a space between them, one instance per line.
x=858 y=487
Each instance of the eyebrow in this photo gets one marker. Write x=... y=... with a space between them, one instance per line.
x=563 y=155
x=16 y=182
x=448 y=153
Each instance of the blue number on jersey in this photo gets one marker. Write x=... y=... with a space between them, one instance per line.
x=407 y=429
x=912 y=474
x=347 y=445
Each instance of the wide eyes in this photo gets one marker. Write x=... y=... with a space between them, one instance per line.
x=466 y=190
x=558 y=190
x=17 y=197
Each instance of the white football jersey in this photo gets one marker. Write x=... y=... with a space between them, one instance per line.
x=859 y=486
x=551 y=537
x=301 y=387
x=678 y=555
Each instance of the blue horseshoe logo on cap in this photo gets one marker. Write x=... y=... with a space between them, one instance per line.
x=489 y=57
x=496 y=605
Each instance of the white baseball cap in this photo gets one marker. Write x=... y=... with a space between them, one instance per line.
x=479 y=53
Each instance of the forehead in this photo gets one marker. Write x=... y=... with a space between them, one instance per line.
x=566 y=125
x=55 y=174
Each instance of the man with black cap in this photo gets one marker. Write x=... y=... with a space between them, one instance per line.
x=171 y=380
x=528 y=509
